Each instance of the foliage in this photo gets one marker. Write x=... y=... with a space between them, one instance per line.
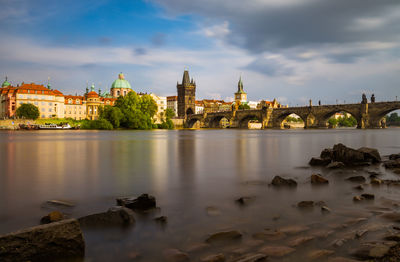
x=294 y=119
x=393 y=119
x=345 y=121
x=168 y=124
x=112 y=115
x=137 y=112
x=243 y=106
x=332 y=122
x=70 y=121
x=28 y=111
x=102 y=124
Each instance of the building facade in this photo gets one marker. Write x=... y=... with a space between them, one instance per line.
x=161 y=102
x=172 y=103
x=186 y=96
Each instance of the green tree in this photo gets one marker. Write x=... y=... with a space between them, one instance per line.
x=28 y=111
x=244 y=106
x=168 y=124
x=169 y=113
x=112 y=115
x=137 y=111
x=332 y=122
x=102 y=124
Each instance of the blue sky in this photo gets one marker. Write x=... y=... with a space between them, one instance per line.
x=292 y=50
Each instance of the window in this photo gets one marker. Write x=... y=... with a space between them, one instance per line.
x=29 y=91
x=28 y=97
x=43 y=116
x=42 y=92
x=50 y=104
x=49 y=109
x=69 y=101
x=36 y=103
x=43 y=109
x=20 y=103
x=43 y=103
x=78 y=101
x=118 y=92
x=124 y=93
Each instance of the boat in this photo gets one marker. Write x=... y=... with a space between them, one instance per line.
x=49 y=126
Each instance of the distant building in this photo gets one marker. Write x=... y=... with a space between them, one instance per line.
x=240 y=95
x=253 y=104
x=75 y=107
x=199 y=107
x=186 y=96
x=269 y=104
x=172 y=103
x=120 y=87
x=161 y=102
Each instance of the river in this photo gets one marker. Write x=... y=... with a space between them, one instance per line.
x=195 y=176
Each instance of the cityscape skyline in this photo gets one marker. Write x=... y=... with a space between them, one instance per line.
x=151 y=42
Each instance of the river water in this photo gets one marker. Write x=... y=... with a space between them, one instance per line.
x=195 y=176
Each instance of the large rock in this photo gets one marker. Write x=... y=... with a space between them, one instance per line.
x=115 y=216
x=327 y=153
x=346 y=154
x=358 y=179
x=319 y=161
x=317 y=179
x=224 y=236
x=214 y=258
x=58 y=240
x=142 y=203
x=392 y=163
x=279 y=181
x=370 y=154
x=394 y=156
x=335 y=165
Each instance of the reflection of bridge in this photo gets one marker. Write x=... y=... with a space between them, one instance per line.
x=369 y=115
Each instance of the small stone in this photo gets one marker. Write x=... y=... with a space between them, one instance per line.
x=252 y=258
x=359 y=187
x=52 y=217
x=276 y=251
x=357 y=198
x=368 y=196
x=299 y=241
x=61 y=203
x=197 y=247
x=318 y=254
x=279 y=181
x=325 y=209
x=356 y=179
x=305 y=204
x=395 y=217
x=214 y=258
x=269 y=235
x=224 y=236
x=115 y=216
x=317 y=179
x=294 y=229
x=161 y=219
x=175 y=255
x=319 y=161
x=335 y=165
x=376 y=181
x=379 y=251
x=243 y=201
x=394 y=156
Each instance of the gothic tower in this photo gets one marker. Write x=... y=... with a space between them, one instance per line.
x=240 y=95
x=186 y=96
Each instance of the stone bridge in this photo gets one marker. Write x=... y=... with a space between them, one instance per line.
x=370 y=115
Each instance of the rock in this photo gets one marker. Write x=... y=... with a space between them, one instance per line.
x=368 y=196
x=305 y=204
x=357 y=198
x=394 y=156
x=358 y=179
x=161 y=219
x=359 y=187
x=134 y=255
x=279 y=181
x=252 y=258
x=52 y=217
x=213 y=211
x=115 y=216
x=54 y=241
x=341 y=259
x=327 y=153
x=370 y=154
x=392 y=163
x=346 y=154
x=269 y=235
x=319 y=162
x=395 y=217
x=276 y=251
x=336 y=164
x=393 y=237
x=299 y=241
x=142 y=203
x=379 y=251
x=376 y=181
x=318 y=254
x=368 y=250
x=321 y=233
x=243 y=201
x=197 y=247
x=214 y=258
x=317 y=179
x=294 y=229
x=175 y=255
x=325 y=209
x=224 y=236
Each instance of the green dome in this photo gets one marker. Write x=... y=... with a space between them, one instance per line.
x=5 y=83
x=121 y=82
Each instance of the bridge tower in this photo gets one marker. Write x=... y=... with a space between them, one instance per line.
x=186 y=96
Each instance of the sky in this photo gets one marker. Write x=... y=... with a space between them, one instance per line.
x=291 y=50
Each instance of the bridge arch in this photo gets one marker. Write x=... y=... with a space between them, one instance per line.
x=191 y=122
x=280 y=119
x=244 y=121
x=323 y=121
x=215 y=121
x=378 y=119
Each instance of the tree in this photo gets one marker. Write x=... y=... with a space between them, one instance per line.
x=28 y=111
x=332 y=122
x=168 y=124
x=112 y=115
x=137 y=111
x=244 y=106
x=169 y=113
x=97 y=124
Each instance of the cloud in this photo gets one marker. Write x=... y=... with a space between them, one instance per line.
x=271 y=66
x=159 y=39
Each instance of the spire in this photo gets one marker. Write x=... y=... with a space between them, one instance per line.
x=185 y=79
x=48 y=83
x=240 y=85
x=92 y=87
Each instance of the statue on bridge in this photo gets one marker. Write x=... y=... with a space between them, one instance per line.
x=373 y=98
x=364 y=99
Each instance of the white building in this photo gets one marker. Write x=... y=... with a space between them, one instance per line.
x=161 y=102
x=172 y=103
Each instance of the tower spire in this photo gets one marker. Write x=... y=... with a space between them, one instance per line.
x=240 y=84
x=185 y=79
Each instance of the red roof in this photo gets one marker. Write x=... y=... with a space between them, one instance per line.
x=92 y=94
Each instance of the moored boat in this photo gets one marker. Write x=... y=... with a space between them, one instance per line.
x=61 y=126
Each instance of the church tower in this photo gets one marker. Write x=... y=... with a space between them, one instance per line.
x=240 y=95
x=186 y=96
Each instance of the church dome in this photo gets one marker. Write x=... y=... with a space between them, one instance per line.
x=5 y=83
x=121 y=82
